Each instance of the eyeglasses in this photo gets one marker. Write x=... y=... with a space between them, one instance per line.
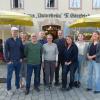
x=49 y=38
x=33 y=36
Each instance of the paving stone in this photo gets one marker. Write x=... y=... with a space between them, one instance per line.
x=47 y=94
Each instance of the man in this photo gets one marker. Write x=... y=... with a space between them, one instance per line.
x=42 y=40
x=33 y=55
x=13 y=55
x=61 y=45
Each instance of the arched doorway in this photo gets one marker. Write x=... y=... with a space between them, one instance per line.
x=51 y=29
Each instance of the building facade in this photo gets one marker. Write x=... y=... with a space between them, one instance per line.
x=51 y=15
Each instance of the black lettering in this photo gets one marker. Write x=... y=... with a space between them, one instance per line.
x=66 y=15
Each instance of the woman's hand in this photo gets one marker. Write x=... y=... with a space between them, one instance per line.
x=56 y=64
x=90 y=57
x=68 y=63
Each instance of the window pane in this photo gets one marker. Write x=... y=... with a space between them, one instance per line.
x=96 y=3
x=17 y=3
x=48 y=3
x=75 y=3
x=51 y=3
x=21 y=4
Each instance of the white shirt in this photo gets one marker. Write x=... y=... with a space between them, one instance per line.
x=81 y=47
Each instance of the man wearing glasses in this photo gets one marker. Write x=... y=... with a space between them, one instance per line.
x=33 y=55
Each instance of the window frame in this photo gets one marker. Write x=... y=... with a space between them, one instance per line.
x=94 y=7
x=75 y=7
x=12 y=5
x=56 y=6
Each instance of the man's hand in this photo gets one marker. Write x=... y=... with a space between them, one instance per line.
x=21 y=60
x=42 y=64
x=56 y=64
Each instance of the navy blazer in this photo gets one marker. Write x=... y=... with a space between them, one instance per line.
x=13 y=50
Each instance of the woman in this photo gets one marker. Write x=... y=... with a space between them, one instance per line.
x=93 y=55
x=49 y=59
x=70 y=62
x=81 y=44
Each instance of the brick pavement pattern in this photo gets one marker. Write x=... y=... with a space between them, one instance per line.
x=51 y=94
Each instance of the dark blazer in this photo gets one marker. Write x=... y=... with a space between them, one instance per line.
x=14 y=50
x=71 y=54
x=61 y=46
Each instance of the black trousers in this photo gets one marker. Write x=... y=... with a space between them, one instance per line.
x=68 y=68
x=60 y=62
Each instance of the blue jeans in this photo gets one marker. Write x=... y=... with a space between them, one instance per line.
x=93 y=81
x=81 y=60
x=10 y=68
x=30 y=68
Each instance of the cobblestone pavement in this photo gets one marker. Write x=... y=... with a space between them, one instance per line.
x=51 y=94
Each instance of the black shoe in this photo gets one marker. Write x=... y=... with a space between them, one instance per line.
x=44 y=81
x=26 y=92
x=77 y=84
x=50 y=85
x=56 y=84
x=69 y=88
x=37 y=89
x=63 y=89
x=88 y=89
x=95 y=92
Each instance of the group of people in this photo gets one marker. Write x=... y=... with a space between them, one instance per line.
x=42 y=52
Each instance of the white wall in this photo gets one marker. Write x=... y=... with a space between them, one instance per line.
x=38 y=6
